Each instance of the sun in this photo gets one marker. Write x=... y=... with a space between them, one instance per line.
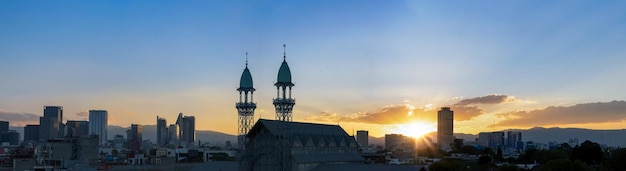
x=415 y=129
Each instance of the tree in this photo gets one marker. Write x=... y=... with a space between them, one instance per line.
x=114 y=152
x=588 y=152
x=565 y=165
x=456 y=145
x=617 y=161
x=448 y=165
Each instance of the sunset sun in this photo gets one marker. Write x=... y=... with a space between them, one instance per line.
x=414 y=129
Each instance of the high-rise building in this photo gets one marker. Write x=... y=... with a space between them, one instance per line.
x=173 y=136
x=512 y=139
x=188 y=136
x=98 y=123
x=245 y=106
x=161 y=131
x=362 y=137
x=445 y=128
x=134 y=136
x=283 y=101
x=31 y=133
x=496 y=140
x=10 y=136
x=51 y=122
x=48 y=128
x=77 y=128
x=4 y=126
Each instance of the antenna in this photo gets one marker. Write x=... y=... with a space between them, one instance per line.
x=284 y=52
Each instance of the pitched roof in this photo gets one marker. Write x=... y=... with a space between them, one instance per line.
x=299 y=128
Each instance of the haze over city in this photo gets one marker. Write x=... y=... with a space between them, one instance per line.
x=382 y=66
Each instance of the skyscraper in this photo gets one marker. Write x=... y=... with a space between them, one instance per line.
x=245 y=106
x=98 y=123
x=188 y=136
x=31 y=133
x=161 y=131
x=362 y=138
x=283 y=101
x=135 y=137
x=4 y=126
x=77 y=128
x=50 y=122
x=173 y=136
x=445 y=126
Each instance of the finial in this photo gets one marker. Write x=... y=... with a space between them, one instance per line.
x=284 y=52
x=246 y=59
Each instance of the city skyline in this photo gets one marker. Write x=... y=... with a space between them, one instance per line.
x=379 y=66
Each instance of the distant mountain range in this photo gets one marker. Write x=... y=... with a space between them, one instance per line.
x=537 y=134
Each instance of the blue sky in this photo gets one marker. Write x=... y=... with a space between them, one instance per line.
x=140 y=59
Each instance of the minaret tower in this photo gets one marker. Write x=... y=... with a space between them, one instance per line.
x=283 y=101
x=245 y=106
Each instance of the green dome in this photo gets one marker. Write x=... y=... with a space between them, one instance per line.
x=284 y=74
x=246 y=79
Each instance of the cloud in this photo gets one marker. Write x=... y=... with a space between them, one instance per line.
x=396 y=114
x=19 y=119
x=465 y=109
x=600 y=112
x=82 y=115
x=488 y=99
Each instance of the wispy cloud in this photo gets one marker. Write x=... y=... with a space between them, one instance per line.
x=600 y=112
x=18 y=119
x=465 y=109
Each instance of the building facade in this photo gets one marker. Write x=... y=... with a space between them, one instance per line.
x=188 y=136
x=135 y=137
x=98 y=123
x=77 y=128
x=362 y=138
x=51 y=122
x=445 y=128
x=31 y=133
x=161 y=131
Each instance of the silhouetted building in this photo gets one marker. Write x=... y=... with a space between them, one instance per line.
x=134 y=136
x=4 y=126
x=306 y=146
x=362 y=137
x=50 y=123
x=245 y=106
x=77 y=128
x=496 y=140
x=10 y=136
x=445 y=128
x=513 y=140
x=161 y=131
x=173 y=136
x=188 y=136
x=401 y=146
x=31 y=133
x=98 y=123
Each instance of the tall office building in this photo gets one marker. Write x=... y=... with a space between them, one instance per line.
x=173 y=136
x=513 y=138
x=4 y=126
x=31 y=133
x=10 y=136
x=496 y=140
x=161 y=131
x=362 y=138
x=77 y=128
x=188 y=136
x=245 y=106
x=50 y=123
x=98 y=123
x=445 y=128
x=134 y=136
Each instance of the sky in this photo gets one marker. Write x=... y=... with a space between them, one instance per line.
x=382 y=66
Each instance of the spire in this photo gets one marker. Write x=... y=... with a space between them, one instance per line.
x=284 y=52
x=246 y=59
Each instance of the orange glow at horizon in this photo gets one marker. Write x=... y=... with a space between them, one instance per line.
x=415 y=129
